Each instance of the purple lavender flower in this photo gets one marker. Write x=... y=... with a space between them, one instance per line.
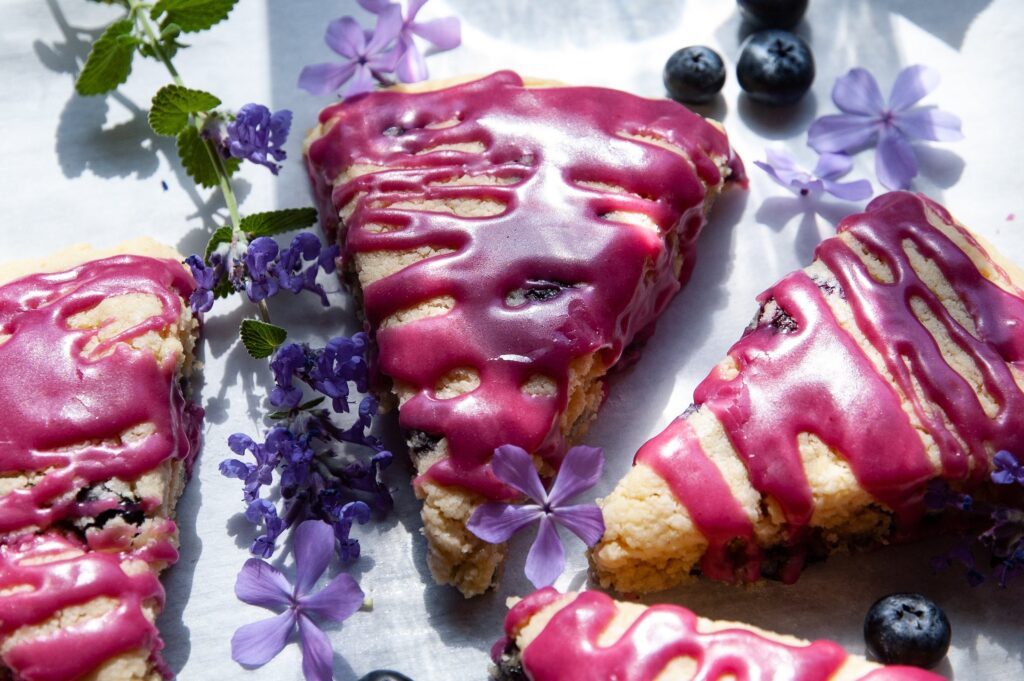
x=259 y=136
x=289 y=361
x=867 y=121
x=207 y=278
x=1006 y=469
x=254 y=475
x=367 y=57
x=261 y=511
x=341 y=362
x=299 y=264
x=496 y=522
x=782 y=168
x=259 y=261
x=260 y=583
x=442 y=34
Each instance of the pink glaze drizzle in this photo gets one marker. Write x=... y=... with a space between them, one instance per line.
x=545 y=142
x=812 y=377
x=57 y=398
x=567 y=647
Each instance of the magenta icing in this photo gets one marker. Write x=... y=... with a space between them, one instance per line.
x=567 y=647
x=545 y=141
x=57 y=398
x=808 y=375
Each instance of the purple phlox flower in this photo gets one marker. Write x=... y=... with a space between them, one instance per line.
x=299 y=264
x=207 y=277
x=868 y=120
x=289 y=361
x=261 y=584
x=259 y=136
x=254 y=475
x=367 y=57
x=261 y=511
x=1006 y=469
x=496 y=522
x=259 y=261
x=782 y=167
x=442 y=34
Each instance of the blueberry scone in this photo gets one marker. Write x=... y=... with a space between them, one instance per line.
x=97 y=437
x=508 y=240
x=894 y=359
x=551 y=636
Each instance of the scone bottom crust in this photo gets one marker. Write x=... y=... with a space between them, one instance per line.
x=664 y=642
x=901 y=351
x=508 y=243
x=98 y=439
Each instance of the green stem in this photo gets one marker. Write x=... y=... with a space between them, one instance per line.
x=138 y=10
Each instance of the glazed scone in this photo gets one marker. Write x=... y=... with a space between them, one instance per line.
x=895 y=358
x=96 y=347
x=508 y=240
x=551 y=636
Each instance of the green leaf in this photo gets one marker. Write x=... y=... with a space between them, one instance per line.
x=260 y=338
x=221 y=236
x=195 y=158
x=278 y=221
x=223 y=289
x=168 y=44
x=171 y=107
x=110 y=60
x=302 y=407
x=193 y=15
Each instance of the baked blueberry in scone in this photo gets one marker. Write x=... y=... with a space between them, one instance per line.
x=583 y=636
x=894 y=359
x=97 y=437
x=507 y=239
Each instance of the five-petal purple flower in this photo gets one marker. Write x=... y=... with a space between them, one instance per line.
x=496 y=522
x=868 y=120
x=442 y=34
x=368 y=58
x=782 y=168
x=260 y=583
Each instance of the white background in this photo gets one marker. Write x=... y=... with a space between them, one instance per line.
x=77 y=169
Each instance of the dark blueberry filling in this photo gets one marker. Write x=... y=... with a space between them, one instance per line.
x=420 y=442
x=782 y=322
x=543 y=289
x=394 y=131
x=510 y=666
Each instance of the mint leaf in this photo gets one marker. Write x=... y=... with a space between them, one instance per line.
x=193 y=15
x=260 y=338
x=171 y=107
x=110 y=60
x=221 y=236
x=278 y=221
x=166 y=46
x=195 y=158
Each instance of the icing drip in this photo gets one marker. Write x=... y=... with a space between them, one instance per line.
x=567 y=648
x=801 y=373
x=69 y=400
x=564 y=164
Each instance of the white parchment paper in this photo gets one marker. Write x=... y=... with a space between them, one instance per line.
x=88 y=169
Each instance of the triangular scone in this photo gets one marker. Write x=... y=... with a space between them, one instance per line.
x=897 y=357
x=96 y=442
x=551 y=636
x=508 y=242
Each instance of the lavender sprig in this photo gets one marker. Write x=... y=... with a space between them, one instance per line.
x=300 y=451
x=1002 y=540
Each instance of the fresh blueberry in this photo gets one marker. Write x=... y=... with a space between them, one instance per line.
x=907 y=629
x=384 y=675
x=693 y=75
x=773 y=13
x=775 y=67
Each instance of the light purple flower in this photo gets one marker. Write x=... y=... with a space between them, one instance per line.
x=782 y=168
x=369 y=55
x=443 y=34
x=891 y=126
x=260 y=583
x=1006 y=469
x=496 y=522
